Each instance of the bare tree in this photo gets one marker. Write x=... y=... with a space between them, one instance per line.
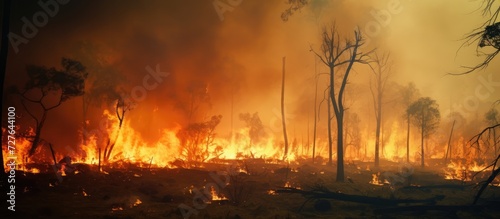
x=120 y=109
x=425 y=115
x=335 y=53
x=381 y=71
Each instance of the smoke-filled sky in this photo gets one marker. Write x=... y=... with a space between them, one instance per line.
x=218 y=61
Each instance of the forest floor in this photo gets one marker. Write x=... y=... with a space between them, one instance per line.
x=249 y=188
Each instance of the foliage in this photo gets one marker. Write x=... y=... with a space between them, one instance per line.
x=256 y=129
x=197 y=138
x=425 y=115
x=51 y=83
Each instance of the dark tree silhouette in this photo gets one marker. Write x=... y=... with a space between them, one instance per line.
x=293 y=6
x=48 y=88
x=425 y=115
x=335 y=54
x=381 y=71
x=408 y=95
x=492 y=118
x=486 y=35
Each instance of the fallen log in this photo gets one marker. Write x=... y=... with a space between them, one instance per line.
x=325 y=194
x=423 y=208
x=450 y=186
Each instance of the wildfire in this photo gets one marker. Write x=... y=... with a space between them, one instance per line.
x=462 y=171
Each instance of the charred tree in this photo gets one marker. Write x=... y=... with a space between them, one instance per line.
x=283 y=111
x=381 y=73
x=334 y=54
x=120 y=109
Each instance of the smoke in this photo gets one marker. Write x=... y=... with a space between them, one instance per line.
x=234 y=66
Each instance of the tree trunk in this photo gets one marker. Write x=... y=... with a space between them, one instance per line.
x=408 y=138
x=330 y=140
x=422 y=146
x=315 y=118
x=38 y=133
x=283 y=111
x=340 y=151
x=379 y=118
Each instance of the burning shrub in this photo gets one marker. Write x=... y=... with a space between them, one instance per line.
x=196 y=139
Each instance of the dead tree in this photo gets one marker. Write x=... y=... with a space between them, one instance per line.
x=495 y=169
x=335 y=54
x=120 y=109
x=283 y=111
x=381 y=71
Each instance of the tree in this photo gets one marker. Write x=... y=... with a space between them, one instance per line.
x=293 y=6
x=425 y=115
x=409 y=94
x=121 y=108
x=492 y=119
x=335 y=55
x=486 y=35
x=255 y=127
x=381 y=73
x=196 y=139
x=48 y=88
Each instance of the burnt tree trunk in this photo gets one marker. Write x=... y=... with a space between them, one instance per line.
x=283 y=111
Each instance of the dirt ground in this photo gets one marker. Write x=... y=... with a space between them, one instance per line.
x=249 y=190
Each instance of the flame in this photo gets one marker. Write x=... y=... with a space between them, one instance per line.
x=376 y=180
x=462 y=171
x=216 y=196
x=137 y=202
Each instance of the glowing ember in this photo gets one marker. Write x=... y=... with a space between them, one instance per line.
x=376 y=180
x=137 y=202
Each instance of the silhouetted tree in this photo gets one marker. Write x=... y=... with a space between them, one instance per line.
x=381 y=71
x=335 y=53
x=486 y=35
x=425 y=115
x=492 y=119
x=46 y=84
x=408 y=95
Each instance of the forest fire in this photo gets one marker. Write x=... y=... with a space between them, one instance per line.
x=312 y=109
